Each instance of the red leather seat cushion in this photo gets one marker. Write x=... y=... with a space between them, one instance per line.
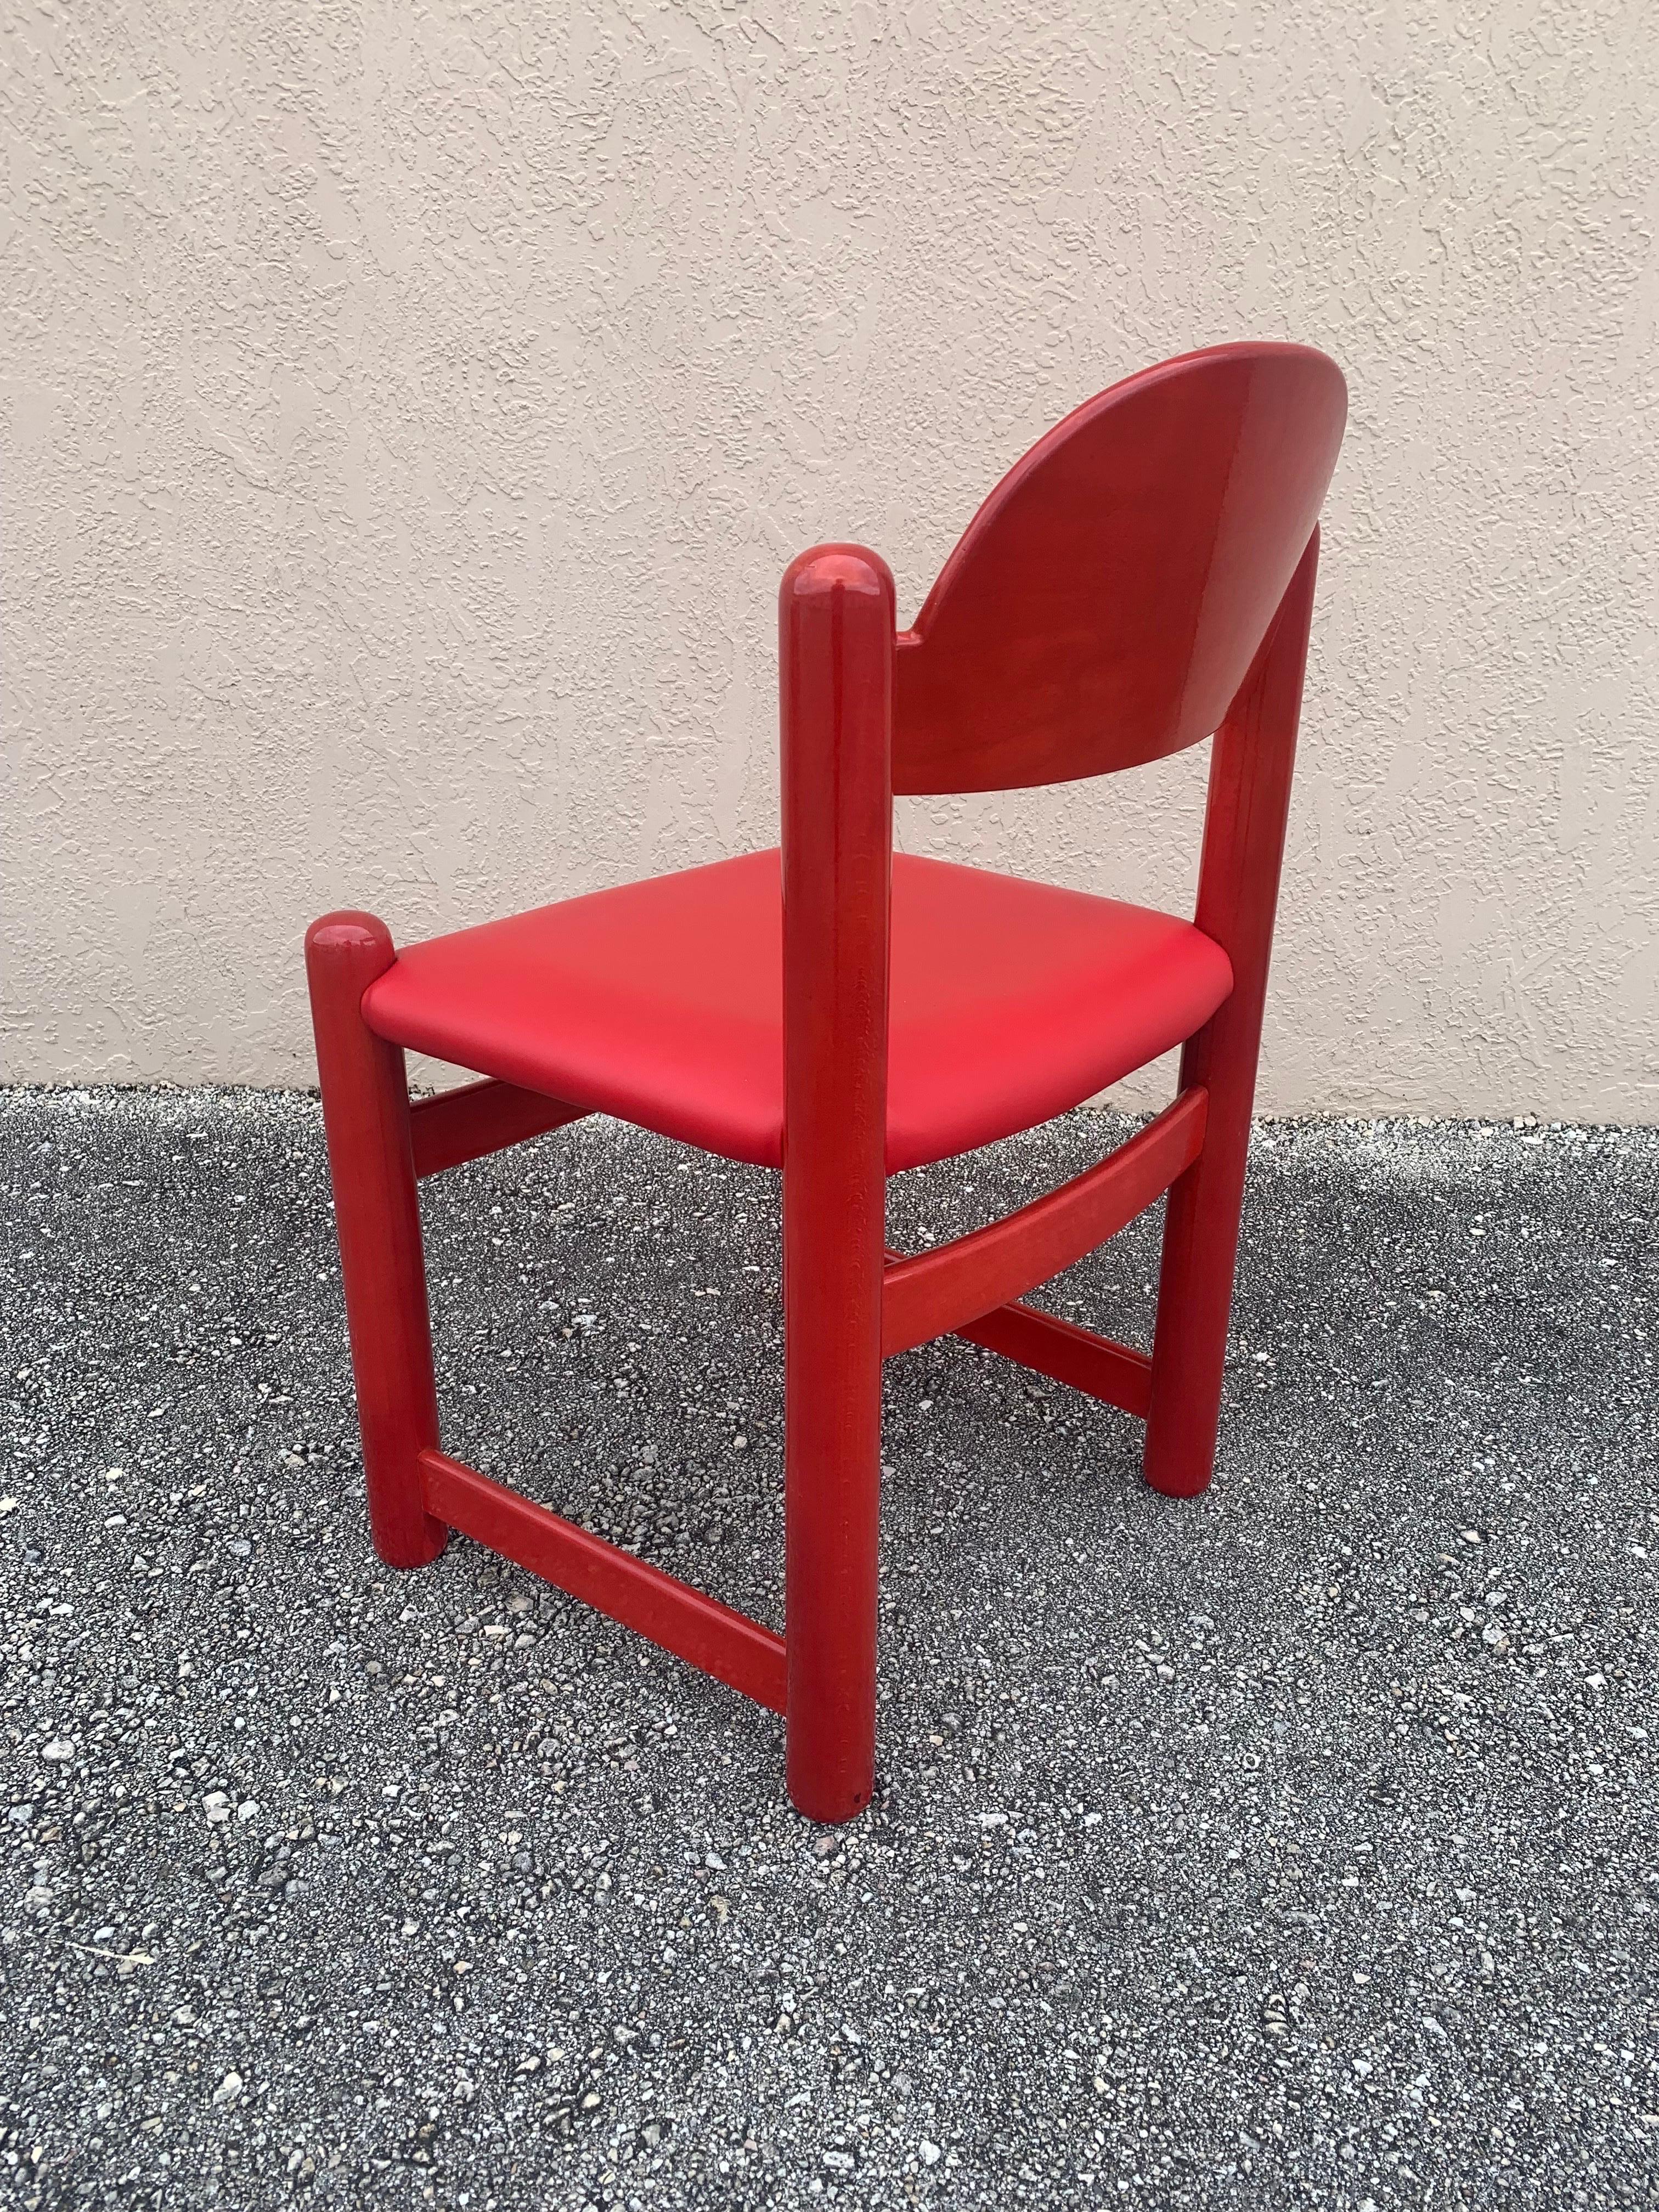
x=662 y=1003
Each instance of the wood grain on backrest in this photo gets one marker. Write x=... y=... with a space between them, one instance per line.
x=1105 y=604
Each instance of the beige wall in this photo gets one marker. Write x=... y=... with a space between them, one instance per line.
x=410 y=408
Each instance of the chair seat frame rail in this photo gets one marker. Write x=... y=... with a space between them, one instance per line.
x=850 y=1303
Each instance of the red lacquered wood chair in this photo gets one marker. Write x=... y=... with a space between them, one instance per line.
x=1142 y=579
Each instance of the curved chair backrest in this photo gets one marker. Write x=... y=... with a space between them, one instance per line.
x=1105 y=604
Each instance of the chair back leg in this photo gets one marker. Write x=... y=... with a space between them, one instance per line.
x=1254 y=751
x=1195 y=1280
x=366 y=1115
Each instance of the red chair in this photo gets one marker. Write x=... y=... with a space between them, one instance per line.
x=1143 y=577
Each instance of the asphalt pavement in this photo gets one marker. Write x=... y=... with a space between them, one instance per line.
x=1291 y=1847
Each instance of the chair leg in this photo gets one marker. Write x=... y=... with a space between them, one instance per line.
x=832 y=1480
x=835 y=648
x=377 y=1215
x=1196 y=1282
x=1237 y=890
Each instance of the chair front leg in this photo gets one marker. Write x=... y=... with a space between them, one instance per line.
x=833 y=1261
x=835 y=646
x=377 y=1215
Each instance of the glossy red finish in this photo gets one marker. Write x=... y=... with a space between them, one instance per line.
x=463 y=1125
x=1104 y=603
x=1237 y=894
x=1116 y=1373
x=377 y=1216
x=1098 y=1366
x=938 y=1293
x=662 y=1002
x=1145 y=575
x=730 y=1646
x=835 y=628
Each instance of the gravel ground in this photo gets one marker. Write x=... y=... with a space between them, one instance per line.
x=1293 y=1847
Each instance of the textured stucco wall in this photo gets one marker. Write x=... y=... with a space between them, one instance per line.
x=410 y=408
